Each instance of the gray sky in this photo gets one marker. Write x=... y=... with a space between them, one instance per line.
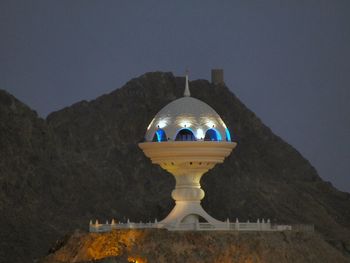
x=288 y=61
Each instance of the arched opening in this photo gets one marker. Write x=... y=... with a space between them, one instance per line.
x=195 y=222
x=185 y=135
x=159 y=136
x=212 y=135
x=190 y=219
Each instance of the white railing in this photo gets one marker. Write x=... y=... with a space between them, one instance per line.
x=222 y=226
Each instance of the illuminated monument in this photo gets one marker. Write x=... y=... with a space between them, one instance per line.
x=187 y=138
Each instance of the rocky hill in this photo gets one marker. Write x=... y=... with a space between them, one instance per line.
x=161 y=246
x=83 y=163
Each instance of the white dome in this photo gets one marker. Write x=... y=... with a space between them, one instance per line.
x=187 y=113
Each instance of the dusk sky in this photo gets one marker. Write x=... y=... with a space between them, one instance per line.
x=288 y=61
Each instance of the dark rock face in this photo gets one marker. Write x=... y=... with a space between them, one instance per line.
x=83 y=163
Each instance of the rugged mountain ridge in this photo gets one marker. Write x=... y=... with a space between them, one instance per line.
x=83 y=162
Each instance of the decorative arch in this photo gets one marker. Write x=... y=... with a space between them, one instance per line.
x=159 y=136
x=212 y=135
x=185 y=135
x=194 y=217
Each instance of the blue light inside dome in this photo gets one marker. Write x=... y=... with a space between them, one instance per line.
x=212 y=135
x=185 y=134
x=228 y=135
x=218 y=135
x=160 y=135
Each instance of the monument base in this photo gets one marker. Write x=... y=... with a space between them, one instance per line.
x=187 y=212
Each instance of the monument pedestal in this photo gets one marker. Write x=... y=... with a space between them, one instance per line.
x=187 y=161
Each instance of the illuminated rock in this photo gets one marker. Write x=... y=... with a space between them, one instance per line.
x=161 y=246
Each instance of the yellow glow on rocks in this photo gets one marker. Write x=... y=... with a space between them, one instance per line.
x=102 y=245
x=95 y=246
x=136 y=260
x=162 y=246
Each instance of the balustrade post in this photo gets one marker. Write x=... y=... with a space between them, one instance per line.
x=263 y=225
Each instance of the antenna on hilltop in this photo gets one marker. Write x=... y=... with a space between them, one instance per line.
x=187 y=88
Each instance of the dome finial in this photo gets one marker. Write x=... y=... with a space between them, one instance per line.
x=187 y=88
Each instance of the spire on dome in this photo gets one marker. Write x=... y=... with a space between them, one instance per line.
x=187 y=88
